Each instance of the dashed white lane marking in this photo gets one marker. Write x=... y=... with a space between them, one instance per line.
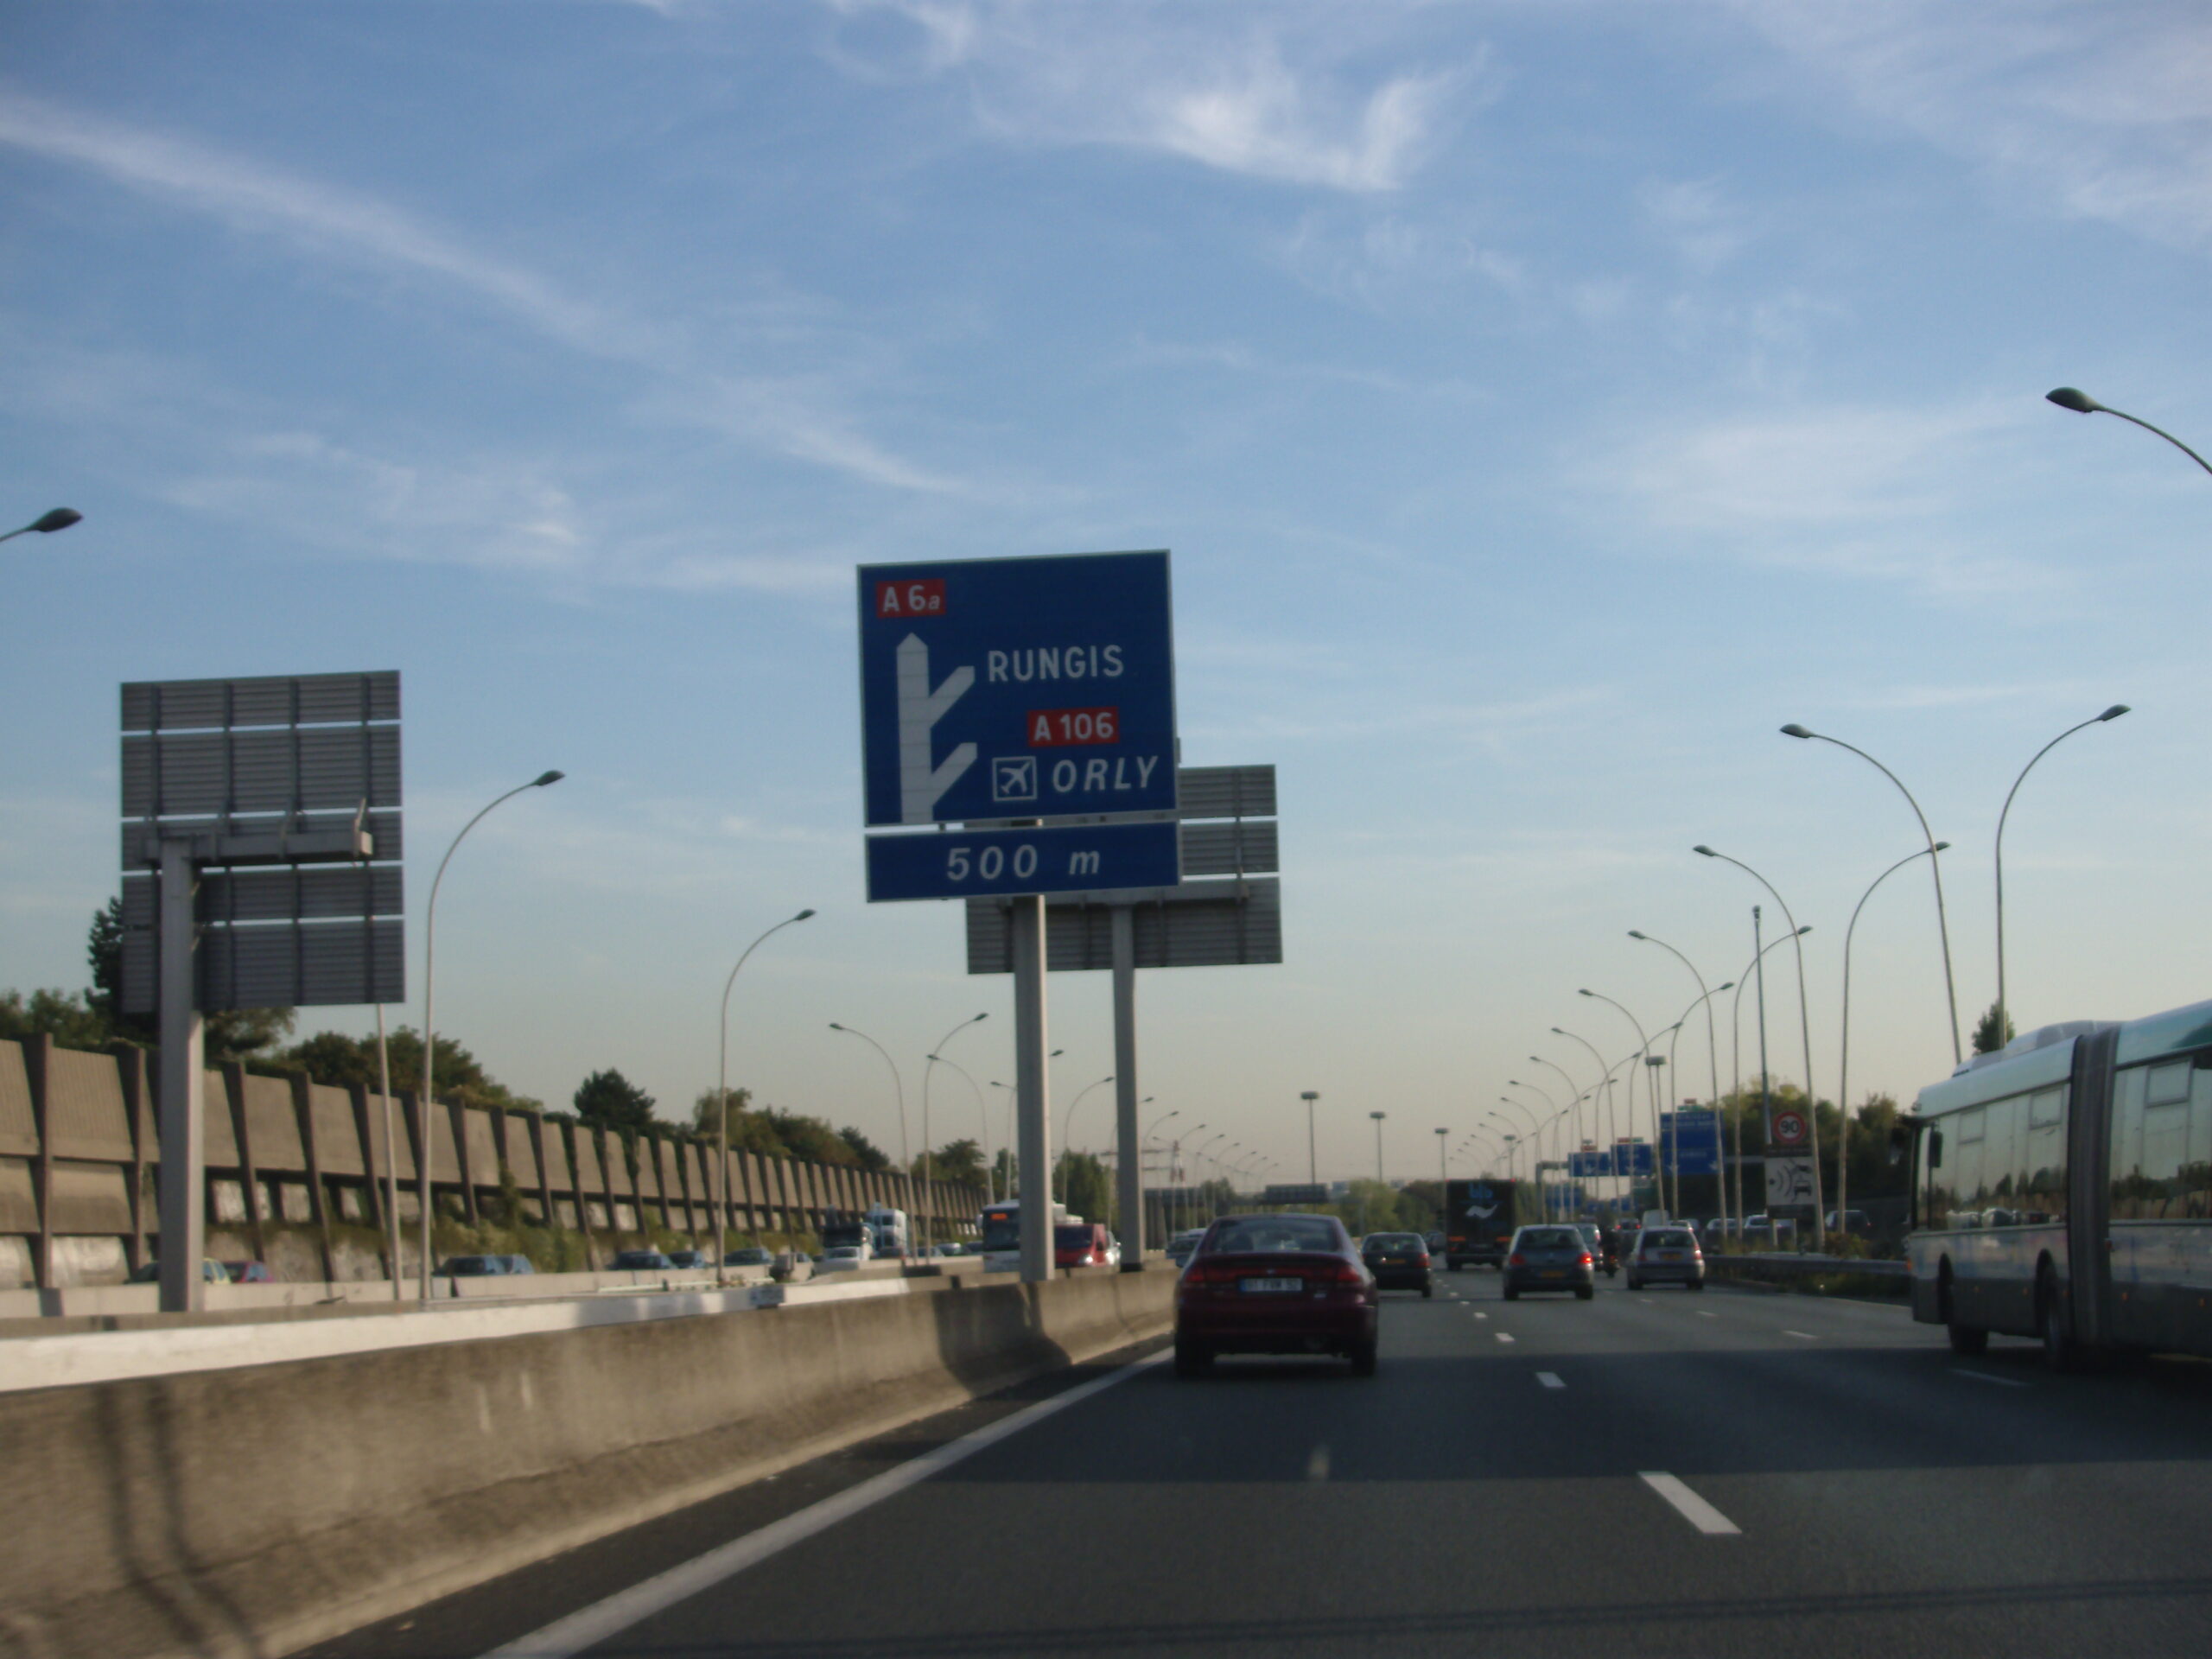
x=1692 y=1507
x=589 y=1626
x=1478 y=1315
x=1550 y=1379
x=1983 y=1376
x=1807 y=1335
x=1502 y=1336
x=1702 y=1314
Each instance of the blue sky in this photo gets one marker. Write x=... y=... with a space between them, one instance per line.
x=1543 y=403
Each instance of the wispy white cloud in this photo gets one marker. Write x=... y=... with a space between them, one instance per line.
x=1873 y=493
x=328 y=221
x=2099 y=108
x=1261 y=98
x=1704 y=228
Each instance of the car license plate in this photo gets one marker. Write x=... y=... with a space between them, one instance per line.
x=1670 y=1255
x=1271 y=1284
x=1555 y=1273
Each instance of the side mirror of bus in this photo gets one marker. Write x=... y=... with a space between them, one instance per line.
x=1935 y=1148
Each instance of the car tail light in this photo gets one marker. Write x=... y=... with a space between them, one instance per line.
x=1583 y=1260
x=1210 y=1273
x=1517 y=1260
x=1421 y=1261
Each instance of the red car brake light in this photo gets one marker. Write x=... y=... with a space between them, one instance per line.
x=1517 y=1260
x=1583 y=1260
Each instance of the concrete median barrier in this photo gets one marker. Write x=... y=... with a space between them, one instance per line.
x=251 y=1511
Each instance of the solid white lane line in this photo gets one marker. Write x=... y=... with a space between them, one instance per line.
x=1693 y=1509
x=1550 y=1379
x=1983 y=1376
x=1502 y=1336
x=1807 y=1335
x=591 y=1625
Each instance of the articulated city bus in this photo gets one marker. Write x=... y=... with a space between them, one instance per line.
x=998 y=1226
x=2066 y=1190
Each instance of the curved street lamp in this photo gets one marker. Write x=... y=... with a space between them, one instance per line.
x=722 y=1099
x=2081 y=403
x=1067 y=1120
x=1711 y=1051
x=46 y=522
x=1843 y=1047
x=2111 y=714
x=1804 y=1010
x=1736 y=1056
x=430 y=970
x=905 y=1150
x=928 y=1065
x=983 y=1119
x=1935 y=866
x=1651 y=1082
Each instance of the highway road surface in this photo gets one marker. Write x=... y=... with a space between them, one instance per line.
x=1657 y=1473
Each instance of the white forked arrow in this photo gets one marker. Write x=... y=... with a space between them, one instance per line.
x=920 y=783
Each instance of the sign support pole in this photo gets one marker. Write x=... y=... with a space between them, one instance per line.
x=1033 y=1133
x=183 y=1087
x=1125 y=1088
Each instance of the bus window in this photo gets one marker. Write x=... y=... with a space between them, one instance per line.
x=2150 y=1141
x=1968 y=1189
x=2045 y=1155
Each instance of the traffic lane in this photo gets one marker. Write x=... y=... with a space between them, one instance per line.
x=475 y=1621
x=1877 y=1472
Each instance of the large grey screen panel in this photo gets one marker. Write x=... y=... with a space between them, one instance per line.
x=1238 y=846
x=287 y=770
x=1225 y=791
x=1204 y=925
x=269 y=700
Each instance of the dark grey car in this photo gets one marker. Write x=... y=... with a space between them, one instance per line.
x=1667 y=1256
x=1549 y=1258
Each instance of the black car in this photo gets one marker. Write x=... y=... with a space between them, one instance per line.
x=1398 y=1260
x=690 y=1259
x=638 y=1261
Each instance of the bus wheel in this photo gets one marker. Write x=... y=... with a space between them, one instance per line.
x=2060 y=1352
x=1966 y=1338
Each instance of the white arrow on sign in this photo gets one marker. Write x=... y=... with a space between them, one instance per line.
x=921 y=783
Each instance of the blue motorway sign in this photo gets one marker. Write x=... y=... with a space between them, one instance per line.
x=1629 y=1158
x=1068 y=858
x=1016 y=688
x=1690 y=1142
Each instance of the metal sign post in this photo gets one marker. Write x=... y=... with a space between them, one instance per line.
x=260 y=849
x=1031 y=703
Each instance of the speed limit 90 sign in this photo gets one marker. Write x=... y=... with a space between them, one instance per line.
x=1789 y=1128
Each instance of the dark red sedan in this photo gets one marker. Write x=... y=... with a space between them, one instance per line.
x=1274 y=1285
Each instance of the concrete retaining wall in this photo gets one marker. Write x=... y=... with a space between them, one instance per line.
x=252 y=1511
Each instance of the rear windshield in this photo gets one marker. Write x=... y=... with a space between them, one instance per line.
x=1396 y=1241
x=1072 y=1238
x=1274 y=1233
x=1551 y=1238
x=1673 y=1238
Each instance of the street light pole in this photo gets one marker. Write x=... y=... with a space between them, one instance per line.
x=2111 y=714
x=1651 y=1082
x=1443 y=1173
x=429 y=1029
x=722 y=1101
x=1935 y=866
x=1067 y=1126
x=2081 y=403
x=906 y=1149
x=1711 y=1058
x=1843 y=1045
x=928 y=1066
x=1804 y=1010
x=1379 y=1178
x=1312 y=1164
x=983 y=1117
x=1736 y=1053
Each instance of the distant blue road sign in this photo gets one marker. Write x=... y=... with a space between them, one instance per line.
x=1690 y=1142
x=972 y=863
x=1017 y=687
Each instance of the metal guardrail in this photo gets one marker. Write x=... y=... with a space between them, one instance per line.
x=1783 y=1267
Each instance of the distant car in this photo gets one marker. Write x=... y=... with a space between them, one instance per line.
x=1593 y=1240
x=1084 y=1244
x=473 y=1267
x=750 y=1255
x=1180 y=1246
x=1275 y=1284
x=1398 y=1260
x=1667 y=1256
x=842 y=1258
x=1552 y=1257
x=690 y=1259
x=948 y=1249
x=1857 y=1221
x=249 y=1272
x=211 y=1271
x=518 y=1264
x=639 y=1262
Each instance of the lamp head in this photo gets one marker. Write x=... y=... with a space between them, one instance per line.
x=545 y=778
x=1633 y=934
x=1585 y=993
x=1793 y=730
x=1705 y=852
x=833 y=1026
x=1725 y=985
x=2080 y=402
x=2115 y=712
x=1943 y=846
x=803 y=915
x=60 y=519
x=1803 y=930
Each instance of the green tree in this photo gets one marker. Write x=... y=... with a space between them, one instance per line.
x=1987 y=1038
x=956 y=1160
x=609 y=1100
x=53 y=1014
x=104 y=953
x=870 y=1156
x=810 y=1137
x=713 y=1118
x=1082 y=1184
x=332 y=1057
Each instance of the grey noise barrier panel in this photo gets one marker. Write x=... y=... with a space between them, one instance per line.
x=252 y=1512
